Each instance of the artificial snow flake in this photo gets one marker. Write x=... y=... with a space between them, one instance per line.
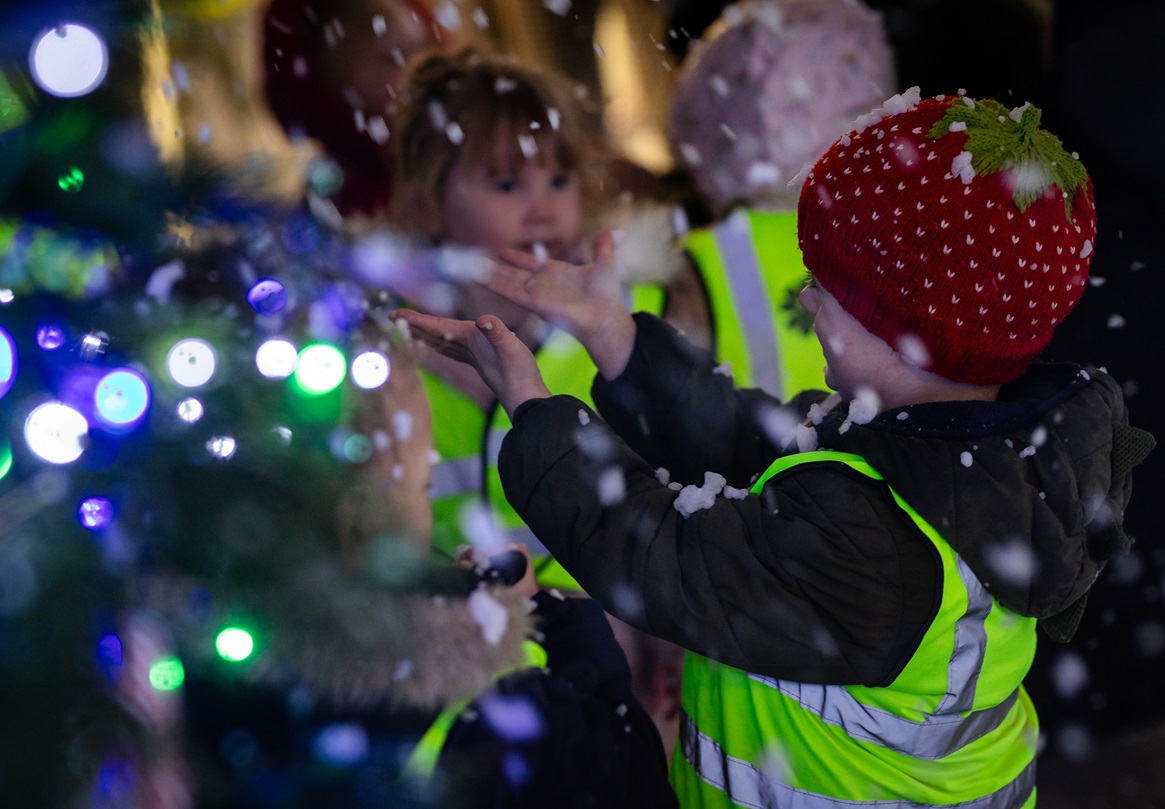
x=583 y=417
x=489 y=614
x=965 y=459
x=694 y=498
x=612 y=486
x=723 y=369
x=961 y=166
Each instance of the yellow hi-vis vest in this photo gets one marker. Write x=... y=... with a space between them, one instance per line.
x=422 y=761
x=954 y=728
x=752 y=270
x=468 y=440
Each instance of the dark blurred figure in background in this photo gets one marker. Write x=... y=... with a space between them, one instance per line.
x=331 y=73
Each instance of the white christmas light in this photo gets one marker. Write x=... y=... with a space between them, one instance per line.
x=370 y=370
x=191 y=363
x=69 y=60
x=56 y=433
x=276 y=359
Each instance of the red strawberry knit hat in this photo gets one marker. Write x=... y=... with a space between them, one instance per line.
x=956 y=230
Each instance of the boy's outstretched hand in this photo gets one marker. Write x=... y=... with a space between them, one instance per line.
x=584 y=300
x=503 y=361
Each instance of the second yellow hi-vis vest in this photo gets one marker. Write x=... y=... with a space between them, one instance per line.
x=752 y=270
x=955 y=728
x=465 y=491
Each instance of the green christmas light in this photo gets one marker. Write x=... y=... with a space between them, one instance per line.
x=5 y=458
x=234 y=644
x=72 y=180
x=320 y=369
x=167 y=674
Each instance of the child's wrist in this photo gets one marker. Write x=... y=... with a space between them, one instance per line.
x=610 y=343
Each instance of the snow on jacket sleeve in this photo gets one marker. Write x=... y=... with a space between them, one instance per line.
x=821 y=579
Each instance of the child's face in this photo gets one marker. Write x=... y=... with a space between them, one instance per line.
x=530 y=207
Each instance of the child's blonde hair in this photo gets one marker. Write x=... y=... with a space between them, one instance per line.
x=472 y=109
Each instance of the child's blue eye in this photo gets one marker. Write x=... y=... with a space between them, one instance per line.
x=506 y=186
x=560 y=181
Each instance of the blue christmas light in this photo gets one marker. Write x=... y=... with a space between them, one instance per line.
x=50 y=337
x=122 y=397
x=95 y=513
x=7 y=362
x=267 y=296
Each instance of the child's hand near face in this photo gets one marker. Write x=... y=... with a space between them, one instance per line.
x=584 y=300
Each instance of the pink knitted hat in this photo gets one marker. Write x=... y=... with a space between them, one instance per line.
x=768 y=88
x=956 y=230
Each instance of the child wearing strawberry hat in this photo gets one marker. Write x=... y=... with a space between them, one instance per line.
x=858 y=577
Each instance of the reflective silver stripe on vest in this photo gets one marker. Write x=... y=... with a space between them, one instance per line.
x=939 y=734
x=748 y=785
x=455 y=477
x=751 y=300
x=970 y=644
x=522 y=535
x=493 y=444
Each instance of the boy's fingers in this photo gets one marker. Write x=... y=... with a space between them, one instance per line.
x=492 y=327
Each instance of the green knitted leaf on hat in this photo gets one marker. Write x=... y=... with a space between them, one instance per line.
x=997 y=141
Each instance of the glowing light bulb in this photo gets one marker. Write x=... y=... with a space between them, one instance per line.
x=56 y=433
x=190 y=410
x=122 y=397
x=276 y=359
x=50 y=337
x=7 y=362
x=221 y=446
x=93 y=343
x=357 y=448
x=5 y=458
x=95 y=513
x=71 y=181
x=370 y=370
x=167 y=674
x=267 y=296
x=191 y=363
x=234 y=644
x=69 y=60
x=321 y=368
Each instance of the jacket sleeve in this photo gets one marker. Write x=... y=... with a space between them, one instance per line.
x=679 y=412
x=821 y=579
